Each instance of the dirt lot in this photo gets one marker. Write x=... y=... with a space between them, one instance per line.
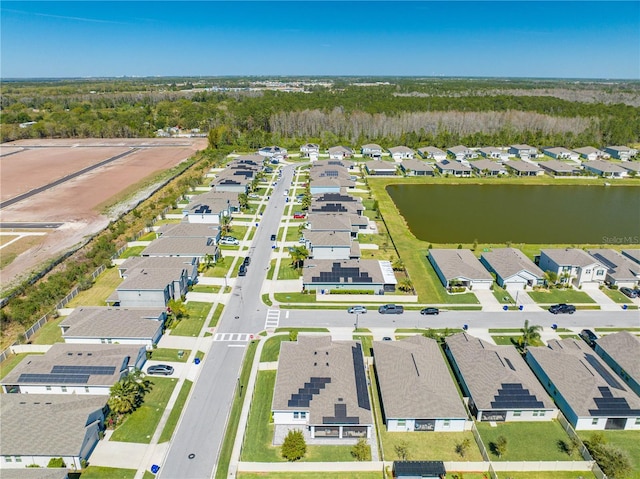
x=76 y=201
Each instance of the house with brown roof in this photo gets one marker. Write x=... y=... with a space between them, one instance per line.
x=459 y=267
x=621 y=352
x=321 y=389
x=416 y=388
x=499 y=384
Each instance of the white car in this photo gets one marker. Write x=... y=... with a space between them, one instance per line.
x=229 y=241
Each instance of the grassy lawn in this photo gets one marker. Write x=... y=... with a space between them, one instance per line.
x=628 y=441
x=142 y=423
x=527 y=441
x=205 y=288
x=150 y=236
x=50 y=333
x=216 y=315
x=132 y=251
x=309 y=475
x=367 y=342
x=617 y=296
x=506 y=340
x=293 y=232
x=100 y=472
x=560 y=296
x=272 y=269
x=286 y=271
x=192 y=325
x=302 y=330
x=11 y=362
x=220 y=269
x=174 y=415
x=171 y=355
x=266 y=300
x=294 y=297
x=97 y=295
x=502 y=295
x=271 y=349
x=259 y=434
x=614 y=330
x=547 y=475
x=238 y=231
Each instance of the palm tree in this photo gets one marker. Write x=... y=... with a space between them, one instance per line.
x=405 y=285
x=529 y=334
x=124 y=397
x=550 y=277
x=208 y=260
x=298 y=255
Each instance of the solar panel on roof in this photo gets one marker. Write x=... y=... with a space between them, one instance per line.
x=101 y=370
x=514 y=396
x=54 y=378
x=603 y=372
x=305 y=394
x=360 y=377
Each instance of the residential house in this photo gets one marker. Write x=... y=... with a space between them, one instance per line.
x=493 y=153
x=524 y=168
x=340 y=222
x=561 y=153
x=459 y=267
x=190 y=230
x=399 y=153
x=462 y=153
x=623 y=153
x=340 y=152
x=453 y=168
x=336 y=203
x=632 y=254
x=227 y=181
x=331 y=245
x=150 y=287
x=371 y=150
x=230 y=197
x=574 y=266
x=74 y=369
x=419 y=470
x=346 y=164
x=185 y=247
x=559 y=168
x=605 y=169
x=590 y=153
x=380 y=168
x=321 y=388
x=416 y=168
x=364 y=274
x=327 y=178
x=432 y=153
x=162 y=262
x=499 y=384
x=207 y=211
x=632 y=167
x=36 y=472
x=513 y=270
x=621 y=352
x=621 y=271
x=273 y=152
x=585 y=389
x=524 y=152
x=100 y=325
x=416 y=388
x=488 y=168
x=310 y=150
x=39 y=427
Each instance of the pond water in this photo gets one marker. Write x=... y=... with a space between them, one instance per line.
x=520 y=213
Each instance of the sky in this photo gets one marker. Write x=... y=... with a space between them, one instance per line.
x=576 y=39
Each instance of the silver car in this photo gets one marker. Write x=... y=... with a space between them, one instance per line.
x=357 y=309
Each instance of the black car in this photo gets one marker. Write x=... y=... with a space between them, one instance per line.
x=273 y=237
x=562 y=309
x=247 y=261
x=243 y=270
x=631 y=293
x=435 y=311
x=589 y=336
x=163 y=369
x=391 y=309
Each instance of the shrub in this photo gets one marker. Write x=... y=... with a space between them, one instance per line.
x=350 y=291
x=294 y=446
x=361 y=451
x=56 y=462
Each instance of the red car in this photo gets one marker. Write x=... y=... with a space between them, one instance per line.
x=299 y=215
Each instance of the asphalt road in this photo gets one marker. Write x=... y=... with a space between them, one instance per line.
x=202 y=427
x=30 y=225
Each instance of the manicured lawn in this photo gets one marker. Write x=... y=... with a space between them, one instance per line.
x=220 y=269
x=628 y=441
x=97 y=295
x=302 y=330
x=560 y=296
x=271 y=349
x=295 y=297
x=293 y=232
x=311 y=475
x=174 y=415
x=527 y=441
x=192 y=325
x=99 y=472
x=272 y=269
x=546 y=475
x=50 y=333
x=502 y=295
x=171 y=355
x=205 y=288
x=11 y=362
x=506 y=340
x=150 y=236
x=617 y=296
x=266 y=300
x=133 y=251
x=216 y=315
x=141 y=424
x=367 y=342
x=238 y=231
x=286 y=271
x=614 y=330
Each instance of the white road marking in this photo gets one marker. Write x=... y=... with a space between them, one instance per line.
x=236 y=337
x=273 y=319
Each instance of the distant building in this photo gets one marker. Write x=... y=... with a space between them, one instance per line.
x=371 y=150
x=524 y=152
x=561 y=153
x=623 y=153
x=399 y=153
x=459 y=267
x=432 y=153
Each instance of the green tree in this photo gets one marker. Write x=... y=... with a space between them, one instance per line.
x=361 y=450
x=530 y=333
x=123 y=397
x=550 y=278
x=177 y=308
x=463 y=447
x=402 y=450
x=293 y=335
x=405 y=285
x=298 y=255
x=243 y=200
x=208 y=260
x=500 y=446
x=294 y=446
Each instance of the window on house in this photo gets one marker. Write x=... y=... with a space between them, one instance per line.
x=48 y=388
x=594 y=421
x=63 y=389
x=517 y=413
x=600 y=272
x=303 y=415
x=446 y=423
x=8 y=459
x=587 y=271
x=296 y=415
x=18 y=459
x=86 y=389
x=638 y=421
x=402 y=422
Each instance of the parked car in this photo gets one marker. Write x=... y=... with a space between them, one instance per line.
x=589 y=336
x=435 y=311
x=298 y=216
x=229 y=241
x=163 y=369
x=301 y=240
x=391 y=309
x=247 y=260
x=562 y=309
x=631 y=293
x=242 y=271
x=386 y=338
x=357 y=309
x=273 y=237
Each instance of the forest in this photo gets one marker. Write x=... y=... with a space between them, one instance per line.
x=245 y=113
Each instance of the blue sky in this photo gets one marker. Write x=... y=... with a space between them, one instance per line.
x=591 y=39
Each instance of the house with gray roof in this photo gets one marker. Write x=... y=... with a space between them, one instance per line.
x=36 y=473
x=184 y=247
x=74 y=369
x=453 y=168
x=150 y=287
x=346 y=164
x=621 y=352
x=621 y=271
x=321 y=388
x=459 y=267
x=493 y=153
x=161 y=262
x=573 y=265
x=39 y=427
x=190 y=230
x=417 y=390
x=336 y=203
x=606 y=169
x=559 y=168
x=273 y=152
x=340 y=152
x=513 y=270
x=591 y=153
x=207 y=210
x=350 y=223
x=587 y=391
x=330 y=245
x=310 y=150
x=371 y=150
x=623 y=153
x=432 y=153
x=488 y=168
x=364 y=274
x=100 y=325
x=561 y=153
x=632 y=167
x=462 y=153
x=524 y=152
x=499 y=384
x=399 y=153
x=233 y=181
x=415 y=167
x=380 y=168
x=523 y=168
x=632 y=254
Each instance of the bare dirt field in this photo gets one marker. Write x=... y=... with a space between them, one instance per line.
x=75 y=202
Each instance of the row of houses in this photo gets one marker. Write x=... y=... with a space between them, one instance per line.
x=515 y=271
x=321 y=385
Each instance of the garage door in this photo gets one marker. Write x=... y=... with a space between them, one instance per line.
x=515 y=286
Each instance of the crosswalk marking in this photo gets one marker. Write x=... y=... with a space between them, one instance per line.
x=273 y=319
x=233 y=337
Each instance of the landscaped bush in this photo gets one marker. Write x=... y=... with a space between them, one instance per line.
x=350 y=291
x=56 y=462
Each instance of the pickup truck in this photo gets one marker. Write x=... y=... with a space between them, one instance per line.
x=391 y=309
